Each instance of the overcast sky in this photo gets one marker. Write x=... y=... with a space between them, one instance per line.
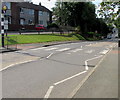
x=50 y=4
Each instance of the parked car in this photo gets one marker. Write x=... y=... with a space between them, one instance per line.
x=40 y=27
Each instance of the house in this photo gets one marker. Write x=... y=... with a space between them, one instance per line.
x=27 y=15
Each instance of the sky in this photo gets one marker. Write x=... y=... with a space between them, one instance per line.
x=50 y=4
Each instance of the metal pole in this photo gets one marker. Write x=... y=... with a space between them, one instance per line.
x=2 y=28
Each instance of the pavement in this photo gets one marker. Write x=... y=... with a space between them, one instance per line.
x=107 y=76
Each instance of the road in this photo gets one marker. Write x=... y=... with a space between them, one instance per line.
x=56 y=72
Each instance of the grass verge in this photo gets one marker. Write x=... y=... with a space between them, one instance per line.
x=40 y=38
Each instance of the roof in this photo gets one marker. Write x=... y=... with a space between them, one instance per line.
x=32 y=6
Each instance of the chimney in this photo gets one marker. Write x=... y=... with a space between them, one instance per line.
x=40 y=3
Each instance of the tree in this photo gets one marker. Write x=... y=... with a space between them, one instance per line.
x=109 y=11
x=75 y=14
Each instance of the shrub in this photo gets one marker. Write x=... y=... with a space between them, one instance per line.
x=52 y=25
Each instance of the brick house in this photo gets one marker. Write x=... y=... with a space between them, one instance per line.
x=27 y=15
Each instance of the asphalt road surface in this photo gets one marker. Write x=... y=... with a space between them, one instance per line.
x=57 y=71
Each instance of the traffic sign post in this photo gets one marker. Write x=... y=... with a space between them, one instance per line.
x=4 y=8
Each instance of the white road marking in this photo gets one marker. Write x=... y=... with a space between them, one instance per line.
x=49 y=55
x=84 y=80
x=16 y=64
x=76 y=50
x=39 y=48
x=104 y=52
x=68 y=53
x=86 y=65
x=66 y=79
x=49 y=92
x=89 y=51
x=50 y=49
x=69 y=78
x=88 y=45
x=63 y=49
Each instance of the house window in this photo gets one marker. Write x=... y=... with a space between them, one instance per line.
x=41 y=22
x=40 y=13
x=22 y=21
x=21 y=10
x=47 y=13
x=30 y=22
x=31 y=11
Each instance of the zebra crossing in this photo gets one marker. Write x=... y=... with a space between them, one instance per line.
x=71 y=50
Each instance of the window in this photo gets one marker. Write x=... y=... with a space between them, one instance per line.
x=31 y=11
x=30 y=22
x=21 y=10
x=41 y=22
x=22 y=21
x=47 y=13
x=40 y=12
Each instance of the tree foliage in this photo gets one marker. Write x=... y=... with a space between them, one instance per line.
x=80 y=14
x=109 y=11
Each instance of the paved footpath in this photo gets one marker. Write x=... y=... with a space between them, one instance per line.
x=103 y=83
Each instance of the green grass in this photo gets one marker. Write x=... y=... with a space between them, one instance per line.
x=40 y=38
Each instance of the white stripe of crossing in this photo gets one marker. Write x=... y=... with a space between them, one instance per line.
x=63 y=49
x=39 y=48
x=50 y=49
x=76 y=50
x=89 y=51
